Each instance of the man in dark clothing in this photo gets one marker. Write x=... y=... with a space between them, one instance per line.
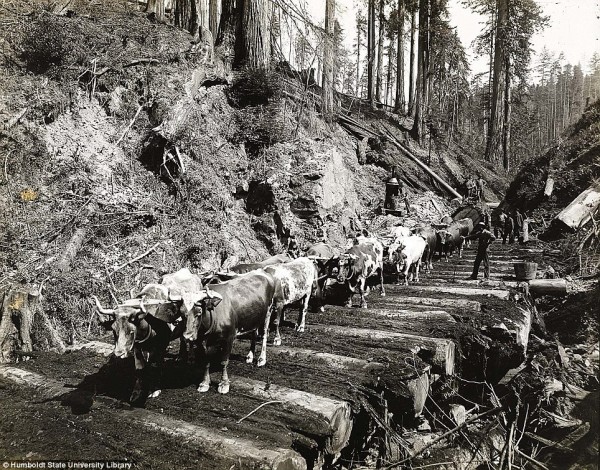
x=518 y=224
x=485 y=238
x=509 y=229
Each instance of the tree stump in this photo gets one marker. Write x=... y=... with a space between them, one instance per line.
x=16 y=320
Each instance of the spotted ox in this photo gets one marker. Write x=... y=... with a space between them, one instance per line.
x=296 y=282
x=240 y=305
x=429 y=234
x=141 y=327
x=357 y=264
x=247 y=267
x=408 y=255
x=449 y=238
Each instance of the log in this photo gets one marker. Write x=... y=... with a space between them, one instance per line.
x=212 y=443
x=500 y=294
x=336 y=414
x=427 y=170
x=554 y=287
x=445 y=303
x=98 y=347
x=334 y=360
x=581 y=209
x=439 y=352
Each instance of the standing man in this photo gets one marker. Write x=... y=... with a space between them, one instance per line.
x=519 y=225
x=509 y=229
x=485 y=238
x=499 y=226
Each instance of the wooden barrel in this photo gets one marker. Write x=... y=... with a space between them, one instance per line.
x=525 y=271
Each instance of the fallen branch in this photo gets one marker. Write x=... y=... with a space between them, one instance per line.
x=548 y=442
x=532 y=460
x=15 y=119
x=258 y=408
x=137 y=113
x=137 y=258
x=141 y=61
x=446 y=434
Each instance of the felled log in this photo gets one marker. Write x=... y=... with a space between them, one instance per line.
x=499 y=293
x=580 y=211
x=554 y=287
x=211 y=442
x=444 y=303
x=335 y=414
x=333 y=360
x=439 y=352
x=549 y=187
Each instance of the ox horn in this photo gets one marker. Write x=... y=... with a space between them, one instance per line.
x=101 y=309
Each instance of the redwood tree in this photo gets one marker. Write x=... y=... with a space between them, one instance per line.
x=328 y=61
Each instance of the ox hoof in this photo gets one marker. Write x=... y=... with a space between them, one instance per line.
x=155 y=394
x=322 y=309
x=348 y=304
x=300 y=329
x=249 y=358
x=383 y=294
x=261 y=361
x=203 y=388
x=277 y=342
x=223 y=388
x=363 y=306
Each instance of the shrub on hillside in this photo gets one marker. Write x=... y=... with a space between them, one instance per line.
x=44 y=44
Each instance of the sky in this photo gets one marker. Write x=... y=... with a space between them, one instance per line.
x=574 y=27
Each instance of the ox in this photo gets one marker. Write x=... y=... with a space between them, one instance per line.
x=449 y=238
x=296 y=281
x=247 y=267
x=429 y=234
x=141 y=328
x=357 y=264
x=240 y=305
x=407 y=255
x=323 y=255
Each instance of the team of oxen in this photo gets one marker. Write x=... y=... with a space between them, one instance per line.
x=210 y=310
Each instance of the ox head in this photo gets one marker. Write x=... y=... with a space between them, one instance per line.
x=201 y=314
x=443 y=237
x=398 y=257
x=126 y=319
x=345 y=266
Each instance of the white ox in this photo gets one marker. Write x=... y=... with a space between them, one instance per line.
x=407 y=254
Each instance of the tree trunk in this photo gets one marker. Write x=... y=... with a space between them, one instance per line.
x=213 y=14
x=157 y=7
x=411 y=67
x=495 y=123
x=399 y=104
x=229 y=36
x=16 y=319
x=507 y=123
x=254 y=51
x=203 y=13
x=371 y=55
x=328 y=73
x=357 y=90
x=186 y=15
x=379 y=78
x=422 y=69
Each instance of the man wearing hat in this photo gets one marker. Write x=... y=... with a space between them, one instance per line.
x=485 y=238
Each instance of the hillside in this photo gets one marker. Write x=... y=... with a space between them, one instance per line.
x=123 y=138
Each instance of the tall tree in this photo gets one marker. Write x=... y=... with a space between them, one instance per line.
x=213 y=14
x=254 y=49
x=186 y=15
x=399 y=101
x=380 y=44
x=411 y=67
x=361 y=25
x=422 y=89
x=328 y=61
x=157 y=7
x=371 y=54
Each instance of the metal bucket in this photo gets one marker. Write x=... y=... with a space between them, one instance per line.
x=525 y=271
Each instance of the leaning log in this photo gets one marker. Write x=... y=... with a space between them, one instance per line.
x=581 y=209
x=336 y=414
x=554 y=287
x=211 y=442
x=439 y=352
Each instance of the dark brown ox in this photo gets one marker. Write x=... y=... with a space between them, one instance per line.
x=362 y=261
x=323 y=255
x=449 y=238
x=240 y=305
x=429 y=234
x=141 y=328
x=247 y=267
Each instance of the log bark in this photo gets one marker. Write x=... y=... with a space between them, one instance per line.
x=211 y=442
x=554 y=287
x=336 y=414
x=334 y=360
x=445 y=303
x=399 y=314
x=76 y=241
x=498 y=293
x=439 y=352
x=581 y=209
